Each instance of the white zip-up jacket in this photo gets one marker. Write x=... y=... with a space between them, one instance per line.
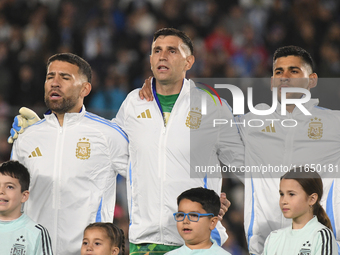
x=73 y=174
x=313 y=142
x=161 y=158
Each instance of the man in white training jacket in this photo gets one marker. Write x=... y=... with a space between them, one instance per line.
x=73 y=157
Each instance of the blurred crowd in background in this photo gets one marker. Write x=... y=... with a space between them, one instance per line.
x=232 y=38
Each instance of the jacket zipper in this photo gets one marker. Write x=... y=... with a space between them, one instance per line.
x=162 y=160
x=56 y=177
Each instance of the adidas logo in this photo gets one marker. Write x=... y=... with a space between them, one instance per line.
x=35 y=153
x=145 y=114
x=269 y=129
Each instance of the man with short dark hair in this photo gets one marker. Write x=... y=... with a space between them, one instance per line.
x=160 y=145
x=314 y=141
x=73 y=157
x=163 y=148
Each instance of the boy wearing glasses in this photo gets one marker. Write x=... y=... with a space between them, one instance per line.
x=198 y=209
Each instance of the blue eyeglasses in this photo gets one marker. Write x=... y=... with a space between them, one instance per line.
x=192 y=216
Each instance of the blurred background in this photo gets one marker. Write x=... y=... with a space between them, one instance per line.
x=232 y=38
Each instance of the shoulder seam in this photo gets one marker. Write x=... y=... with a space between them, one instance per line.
x=321 y=108
x=106 y=122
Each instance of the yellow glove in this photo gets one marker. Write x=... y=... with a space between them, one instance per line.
x=26 y=118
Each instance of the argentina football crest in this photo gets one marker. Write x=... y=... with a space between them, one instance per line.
x=83 y=150
x=19 y=247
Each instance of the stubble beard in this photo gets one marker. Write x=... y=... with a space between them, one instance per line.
x=61 y=106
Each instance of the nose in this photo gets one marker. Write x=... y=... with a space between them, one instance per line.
x=89 y=247
x=186 y=219
x=283 y=200
x=55 y=82
x=285 y=76
x=163 y=55
x=284 y=79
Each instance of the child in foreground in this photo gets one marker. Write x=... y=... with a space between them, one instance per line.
x=103 y=239
x=300 y=194
x=18 y=233
x=198 y=209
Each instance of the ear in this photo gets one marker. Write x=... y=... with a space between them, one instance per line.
x=213 y=222
x=190 y=61
x=313 y=80
x=313 y=198
x=86 y=89
x=25 y=196
x=114 y=250
x=150 y=62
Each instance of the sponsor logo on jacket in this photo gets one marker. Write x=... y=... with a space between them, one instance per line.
x=35 y=153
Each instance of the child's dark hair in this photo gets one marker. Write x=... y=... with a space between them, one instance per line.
x=115 y=234
x=208 y=198
x=18 y=171
x=311 y=183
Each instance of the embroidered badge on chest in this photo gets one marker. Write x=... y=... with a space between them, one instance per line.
x=315 y=129
x=194 y=118
x=19 y=247
x=305 y=250
x=83 y=150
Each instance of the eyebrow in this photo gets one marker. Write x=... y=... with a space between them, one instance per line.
x=61 y=74
x=10 y=183
x=287 y=191
x=289 y=68
x=167 y=47
x=172 y=48
x=96 y=239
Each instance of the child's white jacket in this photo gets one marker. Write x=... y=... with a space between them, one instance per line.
x=163 y=159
